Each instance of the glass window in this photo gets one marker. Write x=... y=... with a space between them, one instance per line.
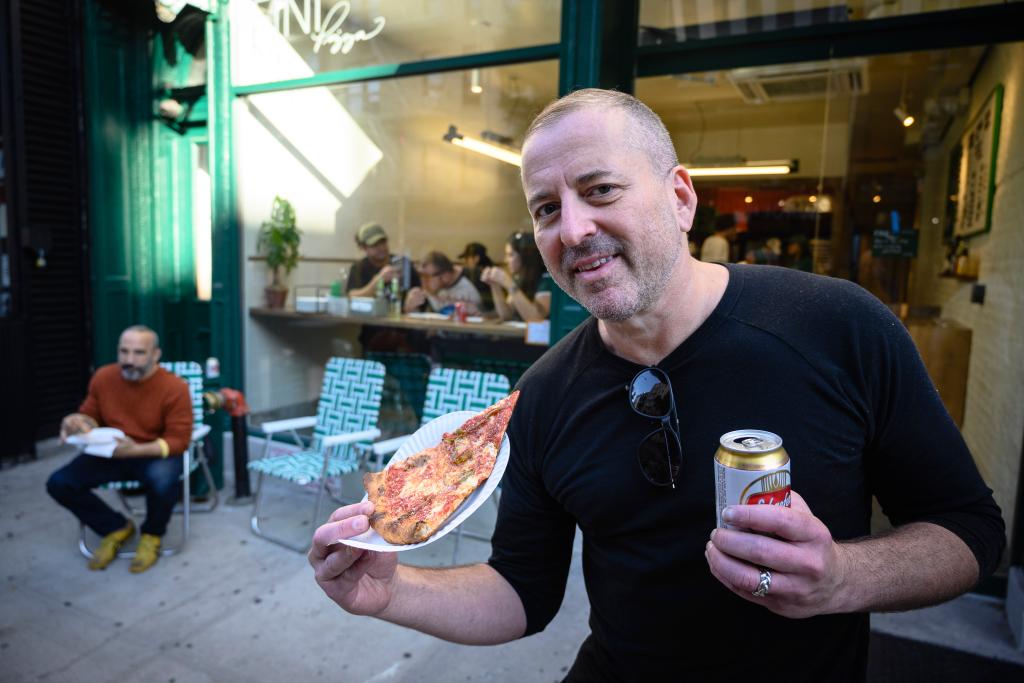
x=671 y=21
x=275 y=41
x=383 y=152
x=852 y=138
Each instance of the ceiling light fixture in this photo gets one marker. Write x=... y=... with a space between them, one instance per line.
x=906 y=119
x=509 y=156
x=901 y=109
x=779 y=167
x=474 y=82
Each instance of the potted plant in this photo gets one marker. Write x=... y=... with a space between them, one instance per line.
x=279 y=240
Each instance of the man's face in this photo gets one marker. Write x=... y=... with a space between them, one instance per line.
x=377 y=253
x=136 y=355
x=433 y=279
x=609 y=226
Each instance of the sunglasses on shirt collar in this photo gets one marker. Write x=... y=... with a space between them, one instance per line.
x=660 y=454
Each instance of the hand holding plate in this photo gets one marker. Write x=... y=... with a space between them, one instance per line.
x=360 y=581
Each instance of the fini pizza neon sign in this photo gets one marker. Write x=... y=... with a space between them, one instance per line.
x=325 y=30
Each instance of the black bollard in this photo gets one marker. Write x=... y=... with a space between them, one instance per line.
x=240 y=440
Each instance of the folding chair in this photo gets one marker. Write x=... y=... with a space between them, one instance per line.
x=194 y=458
x=346 y=414
x=448 y=390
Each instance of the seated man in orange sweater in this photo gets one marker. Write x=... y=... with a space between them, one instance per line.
x=154 y=410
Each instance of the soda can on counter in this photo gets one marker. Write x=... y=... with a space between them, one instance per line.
x=751 y=468
x=460 y=312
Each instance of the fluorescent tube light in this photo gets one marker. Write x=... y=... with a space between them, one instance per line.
x=755 y=168
x=480 y=147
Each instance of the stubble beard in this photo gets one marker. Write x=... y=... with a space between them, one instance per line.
x=648 y=272
x=132 y=373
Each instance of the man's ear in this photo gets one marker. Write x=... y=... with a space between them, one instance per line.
x=684 y=198
x=156 y=355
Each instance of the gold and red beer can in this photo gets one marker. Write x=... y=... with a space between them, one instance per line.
x=751 y=468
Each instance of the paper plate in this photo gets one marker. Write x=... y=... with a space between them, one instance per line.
x=101 y=441
x=100 y=436
x=430 y=435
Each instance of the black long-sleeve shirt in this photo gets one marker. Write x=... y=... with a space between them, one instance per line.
x=816 y=360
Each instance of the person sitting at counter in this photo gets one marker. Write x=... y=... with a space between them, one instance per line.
x=523 y=291
x=444 y=284
x=379 y=264
x=474 y=261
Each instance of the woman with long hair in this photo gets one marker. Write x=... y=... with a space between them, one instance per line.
x=521 y=291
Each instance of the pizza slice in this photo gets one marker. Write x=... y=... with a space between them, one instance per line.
x=414 y=497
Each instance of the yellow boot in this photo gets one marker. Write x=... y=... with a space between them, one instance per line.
x=146 y=554
x=109 y=545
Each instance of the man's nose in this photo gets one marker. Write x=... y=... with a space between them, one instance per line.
x=577 y=223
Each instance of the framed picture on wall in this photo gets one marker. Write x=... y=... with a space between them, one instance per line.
x=979 y=145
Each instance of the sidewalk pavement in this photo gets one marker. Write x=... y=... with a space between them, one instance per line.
x=233 y=607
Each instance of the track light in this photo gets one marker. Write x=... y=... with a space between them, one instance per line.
x=901 y=113
x=474 y=82
x=509 y=156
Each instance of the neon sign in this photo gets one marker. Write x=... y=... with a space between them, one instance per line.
x=325 y=30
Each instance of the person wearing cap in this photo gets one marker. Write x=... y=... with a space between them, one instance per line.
x=474 y=261
x=379 y=263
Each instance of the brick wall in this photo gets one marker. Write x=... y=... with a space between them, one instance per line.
x=994 y=416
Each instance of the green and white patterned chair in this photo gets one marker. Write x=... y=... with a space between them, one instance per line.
x=347 y=414
x=448 y=390
x=194 y=458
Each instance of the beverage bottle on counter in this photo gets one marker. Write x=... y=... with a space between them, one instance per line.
x=395 y=298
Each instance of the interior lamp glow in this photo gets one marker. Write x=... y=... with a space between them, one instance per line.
x=509 y=156
x=750 y=168
x=906 y=119
x=474 y=82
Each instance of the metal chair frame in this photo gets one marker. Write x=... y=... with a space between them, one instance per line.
x=329 y=445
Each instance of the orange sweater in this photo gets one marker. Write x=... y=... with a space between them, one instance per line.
x=159 y=407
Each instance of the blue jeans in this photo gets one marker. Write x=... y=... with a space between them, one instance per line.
x=72 y=486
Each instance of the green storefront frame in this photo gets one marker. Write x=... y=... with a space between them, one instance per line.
x=597 y=48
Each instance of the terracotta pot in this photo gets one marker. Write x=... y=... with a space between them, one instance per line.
x=275 y=296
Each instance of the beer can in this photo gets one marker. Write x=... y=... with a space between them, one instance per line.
x=751 y=468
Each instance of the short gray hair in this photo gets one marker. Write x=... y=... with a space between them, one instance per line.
x=143 y=328
x=649 y=133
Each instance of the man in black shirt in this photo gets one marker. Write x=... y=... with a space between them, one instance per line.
x=816 y=360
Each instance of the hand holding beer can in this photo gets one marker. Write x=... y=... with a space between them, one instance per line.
x=751 y=468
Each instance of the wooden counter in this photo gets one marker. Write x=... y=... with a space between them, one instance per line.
x=489 y=328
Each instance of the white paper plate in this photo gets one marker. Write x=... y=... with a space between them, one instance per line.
x=100 y=436
x=426 y=315
x=430 y=435
x=100 y=441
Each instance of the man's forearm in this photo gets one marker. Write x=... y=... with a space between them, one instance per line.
x=471 y=605
x=913 y=566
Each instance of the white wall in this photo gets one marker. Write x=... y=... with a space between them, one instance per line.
x=994 y=416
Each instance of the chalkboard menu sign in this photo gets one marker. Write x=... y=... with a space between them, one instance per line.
x=977 y=181
x=888 y=243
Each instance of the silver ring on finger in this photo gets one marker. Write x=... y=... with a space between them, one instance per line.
x=764 y=583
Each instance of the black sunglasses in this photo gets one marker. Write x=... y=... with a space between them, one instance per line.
x=661 y=453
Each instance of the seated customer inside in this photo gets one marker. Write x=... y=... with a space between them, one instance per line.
x=522 y=291
x=474 y=261
x=444 y=284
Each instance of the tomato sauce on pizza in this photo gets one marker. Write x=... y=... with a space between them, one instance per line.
x=413 y=498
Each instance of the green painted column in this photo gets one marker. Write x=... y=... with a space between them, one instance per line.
x=226 y=302
x=598 y=50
